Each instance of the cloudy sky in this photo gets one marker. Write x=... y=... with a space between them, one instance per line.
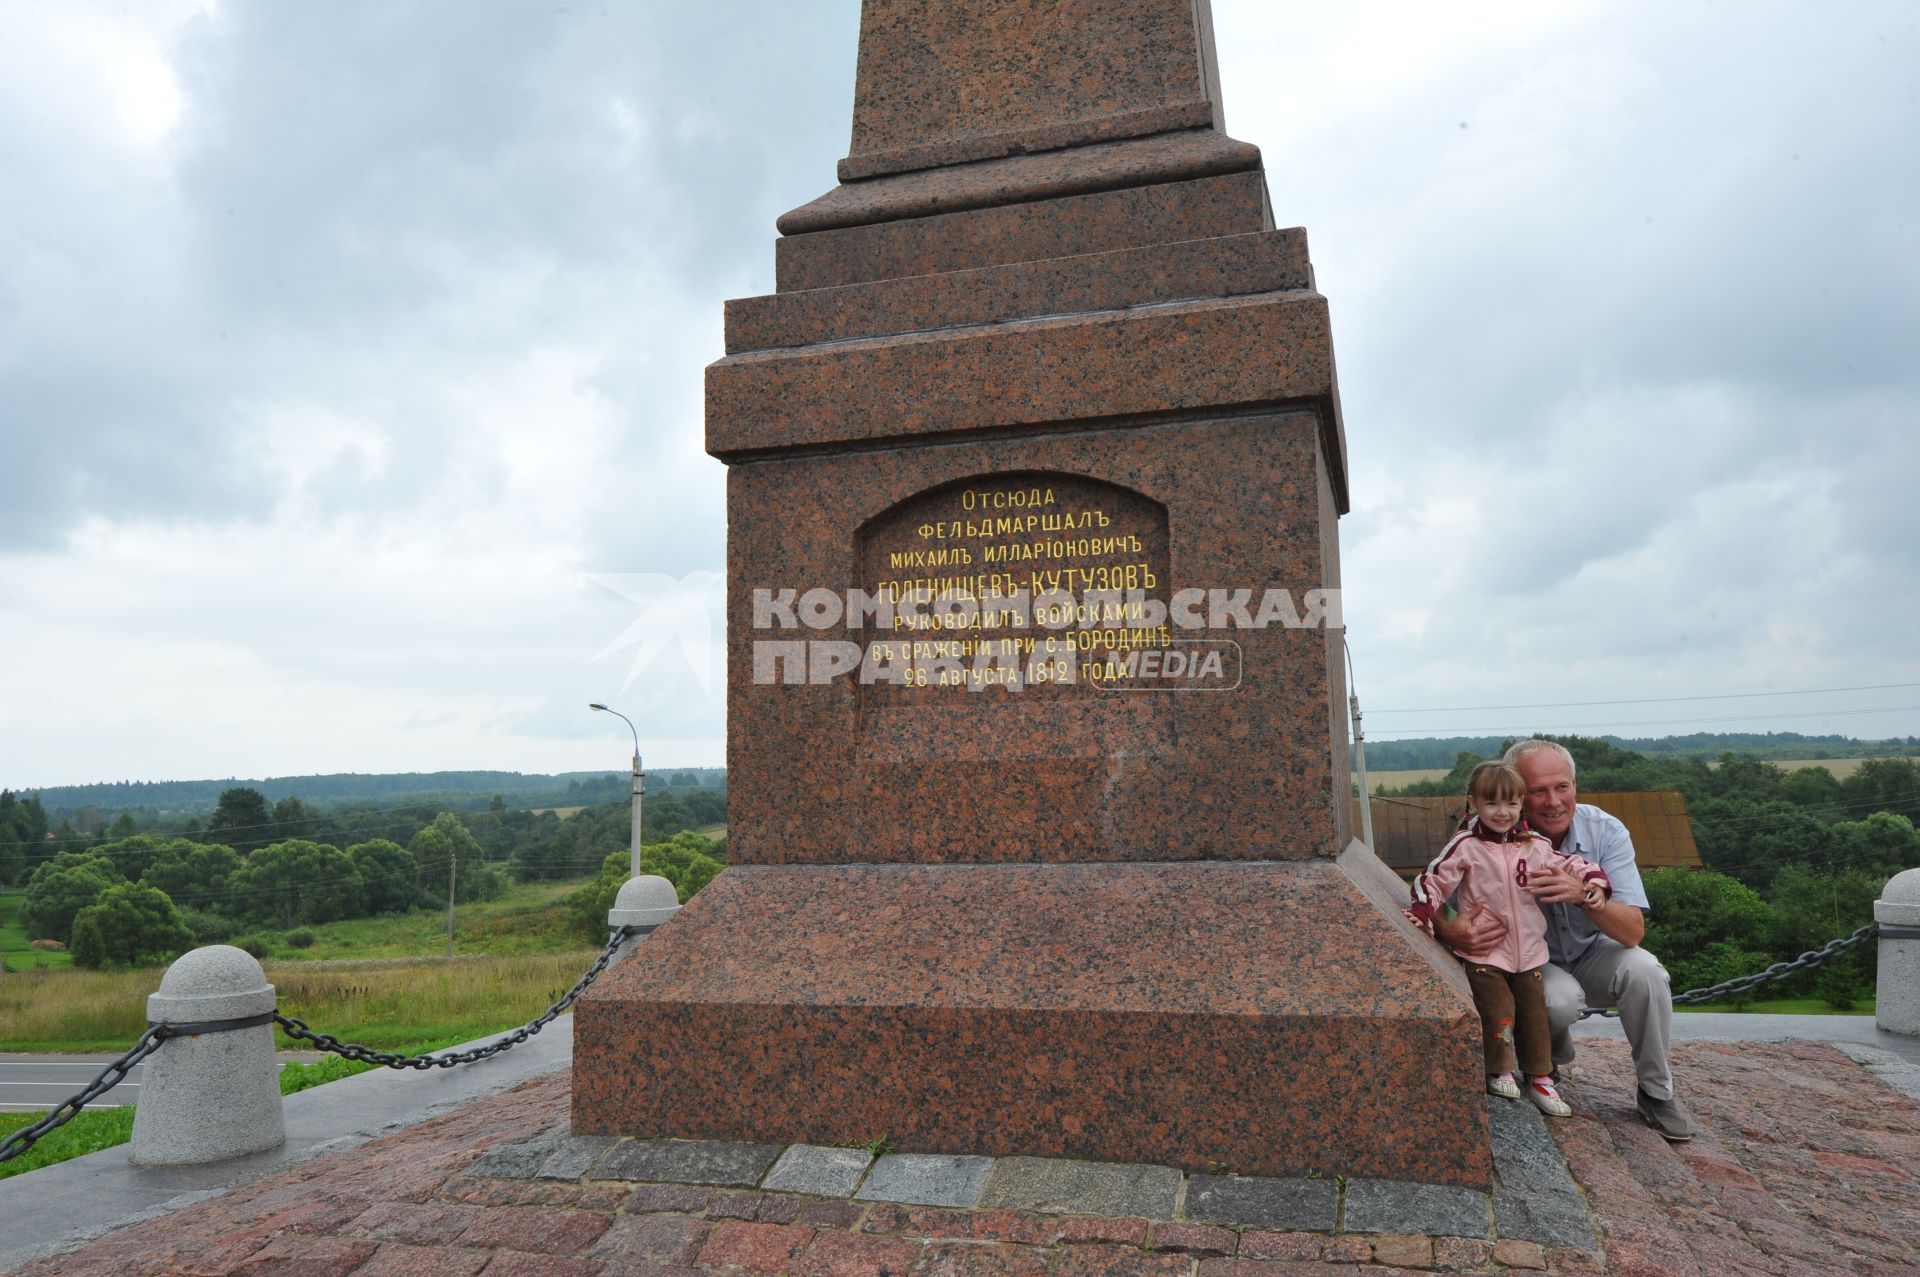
x=350 y=363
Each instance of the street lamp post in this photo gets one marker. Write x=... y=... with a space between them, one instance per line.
x=639 y=784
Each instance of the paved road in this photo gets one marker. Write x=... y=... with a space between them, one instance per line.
x=41 y=1081
x=32 y=1082
x=1735 y=1026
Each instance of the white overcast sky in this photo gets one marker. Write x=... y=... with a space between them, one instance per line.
x=350 y=363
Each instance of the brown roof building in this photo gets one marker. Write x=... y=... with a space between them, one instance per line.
x=1408 y=832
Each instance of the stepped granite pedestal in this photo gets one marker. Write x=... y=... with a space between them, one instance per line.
x=995 y=888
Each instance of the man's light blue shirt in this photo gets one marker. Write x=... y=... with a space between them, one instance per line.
x=1602 y=839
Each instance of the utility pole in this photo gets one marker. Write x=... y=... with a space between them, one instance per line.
x=639 y=792
x=453 y=874
x=1359 y=750
x=639 y=788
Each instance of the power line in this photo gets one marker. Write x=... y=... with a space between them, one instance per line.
x=1647 y=700
x=1654 y=722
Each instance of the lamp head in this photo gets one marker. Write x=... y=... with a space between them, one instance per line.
x=595 y=705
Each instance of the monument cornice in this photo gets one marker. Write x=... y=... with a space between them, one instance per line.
x=1269 y=348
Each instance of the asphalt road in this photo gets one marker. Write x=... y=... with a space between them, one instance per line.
x=33 y=1082
x=29 y=1082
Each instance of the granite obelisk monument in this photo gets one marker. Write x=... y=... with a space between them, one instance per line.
x=1036 y=743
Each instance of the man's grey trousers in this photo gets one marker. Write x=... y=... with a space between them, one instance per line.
x=1612 y=975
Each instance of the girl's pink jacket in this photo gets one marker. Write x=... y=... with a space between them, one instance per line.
x=1491 y=871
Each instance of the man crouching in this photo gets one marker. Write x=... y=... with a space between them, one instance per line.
x=1595 y=947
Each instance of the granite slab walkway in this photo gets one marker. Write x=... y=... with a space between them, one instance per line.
x=1808 y=1162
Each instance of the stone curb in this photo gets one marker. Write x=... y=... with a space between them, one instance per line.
x=1534 y=1199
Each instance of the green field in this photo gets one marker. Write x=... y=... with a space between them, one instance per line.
x=526 y=920
x=1840 y=767
x=1377 y=781
x=15 y=950
x=1782 y=1006
x=381 y=981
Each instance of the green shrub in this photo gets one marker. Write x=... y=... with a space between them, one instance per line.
x=296 y=882
x=683 y=860
x=299 y=1077
x=251 y=944
x=208 y=928
x=300 y=938
x=130 y=925
x=61 y=888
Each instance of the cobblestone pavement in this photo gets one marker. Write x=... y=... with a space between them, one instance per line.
x=1806 y=1164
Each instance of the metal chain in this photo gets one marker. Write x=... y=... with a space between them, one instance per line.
x=24 y=1138
x=393 y=1060
x=1778 y=971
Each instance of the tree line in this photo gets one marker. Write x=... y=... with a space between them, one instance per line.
x=1792 y=859
x=130 y=897
x=90 y=807
x=1421 y=753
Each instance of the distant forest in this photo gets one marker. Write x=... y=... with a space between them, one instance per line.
x=1440 y=751
x=149 y=801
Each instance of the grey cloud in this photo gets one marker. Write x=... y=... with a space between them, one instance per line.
x=361 y=191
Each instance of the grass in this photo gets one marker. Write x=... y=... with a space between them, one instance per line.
x=91 y=1130
x=387 y=1004
x=379 y=981
x=1783 y=1006
x=530 y=918
x=1376 y=781
x=16 y=951
x=1840 y=767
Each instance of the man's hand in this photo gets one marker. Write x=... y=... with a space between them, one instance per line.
x=1474 y=931
x=1556 y=886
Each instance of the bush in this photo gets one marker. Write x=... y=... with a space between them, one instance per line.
x=61 y=888
x=251 y=944
x=297 y=882
x=681 y=860
x=446 y=837
x=1719 y=961
x=1840 y=985
x=1700 y=920
x=207 y=928
x=131 y=925
x=301 y=938
x=194 y=874
x=388 y=873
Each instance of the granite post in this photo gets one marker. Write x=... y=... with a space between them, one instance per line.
x=644 y=902
x=1037 y=747
x=210 y=1094
x=1896 y=1003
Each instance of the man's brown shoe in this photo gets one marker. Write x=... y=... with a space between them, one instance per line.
x=1665 y=1116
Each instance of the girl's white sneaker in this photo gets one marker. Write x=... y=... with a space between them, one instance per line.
x=1503 y=1085
x=1546 y=1097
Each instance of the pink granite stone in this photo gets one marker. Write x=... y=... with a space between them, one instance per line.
x=1043 y=335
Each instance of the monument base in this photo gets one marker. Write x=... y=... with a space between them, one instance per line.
x=1277 y=1017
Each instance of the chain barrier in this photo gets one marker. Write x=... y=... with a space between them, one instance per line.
x=150 y=1041
x=1807 y=961
x=24 y=1138
x=506 y=1042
